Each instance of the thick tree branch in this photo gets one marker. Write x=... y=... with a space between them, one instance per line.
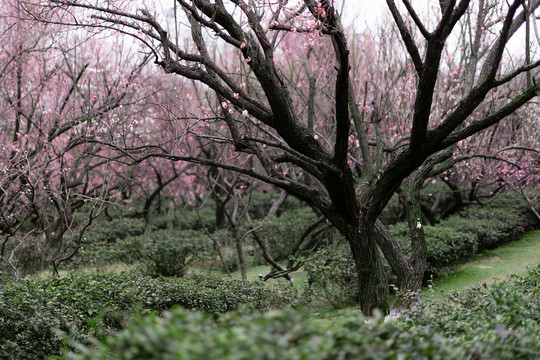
x=417 y=20
x=510 y=26
x=411 y=47
x=492 y=119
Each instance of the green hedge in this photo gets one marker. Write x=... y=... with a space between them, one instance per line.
x=166 y=252
x=111 y=230
x=476 y=228
x=496 y=322
x=505 y=219
x=446 y=245
x=278 y=335
x=500 y=321
x=163 y=252
x=35 y=316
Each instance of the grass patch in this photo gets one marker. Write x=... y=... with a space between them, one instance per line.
x=492 y=265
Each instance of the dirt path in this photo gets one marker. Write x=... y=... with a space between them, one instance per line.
x=493 y=265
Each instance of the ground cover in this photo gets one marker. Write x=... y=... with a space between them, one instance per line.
x=499 y=321
x=490 y=266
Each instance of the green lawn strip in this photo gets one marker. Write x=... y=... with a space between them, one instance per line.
x=491 y=266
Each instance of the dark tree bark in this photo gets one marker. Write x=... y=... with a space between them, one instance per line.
x=372 y=276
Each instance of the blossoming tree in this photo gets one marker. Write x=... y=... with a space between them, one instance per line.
x=306 y=128
x=57 y=92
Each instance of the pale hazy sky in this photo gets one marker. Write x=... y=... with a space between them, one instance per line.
x=369 y=12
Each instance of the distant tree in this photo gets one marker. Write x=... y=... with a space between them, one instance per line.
x=57 y=92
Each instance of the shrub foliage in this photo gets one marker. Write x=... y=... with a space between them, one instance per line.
x=495 y=322
x=35 y=316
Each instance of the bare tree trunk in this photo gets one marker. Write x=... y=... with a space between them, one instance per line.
x=240 y=252
x=444 y=5
x=372 y=276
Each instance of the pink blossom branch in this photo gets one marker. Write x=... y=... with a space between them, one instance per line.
x=486 y=122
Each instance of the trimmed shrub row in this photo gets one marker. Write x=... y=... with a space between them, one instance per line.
x=466 y=233
x=166 y=252
x=35 y=316
x=500 y=321
x=505 y=219
x=273 y=336
x=163 y=252
x=497 y=322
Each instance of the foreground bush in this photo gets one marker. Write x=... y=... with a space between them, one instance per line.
x=35 y=316
x=277 y=335
x=495 y=322
x=500 y=321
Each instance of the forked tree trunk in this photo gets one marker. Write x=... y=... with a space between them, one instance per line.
x=412 y=276
x=409 y=271
x=372 y=276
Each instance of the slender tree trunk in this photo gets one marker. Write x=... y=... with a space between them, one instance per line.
x=372 y=276
x=240 y=252
x=148 y=220
x=220 y=214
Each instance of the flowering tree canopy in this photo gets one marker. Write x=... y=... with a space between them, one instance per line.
x=337 y=120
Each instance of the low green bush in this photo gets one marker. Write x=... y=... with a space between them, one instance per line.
x=191 y=219
x=107 y=231
x=276 y=335
x=488 y=233
x=505 y=219
x=284 y=231
x=98 y=247
x=500 y=321
x=37 y=318
x=214 y=295
x=33 y=313
x=163 y=252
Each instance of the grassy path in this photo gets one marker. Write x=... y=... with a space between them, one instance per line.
x=493 y=265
